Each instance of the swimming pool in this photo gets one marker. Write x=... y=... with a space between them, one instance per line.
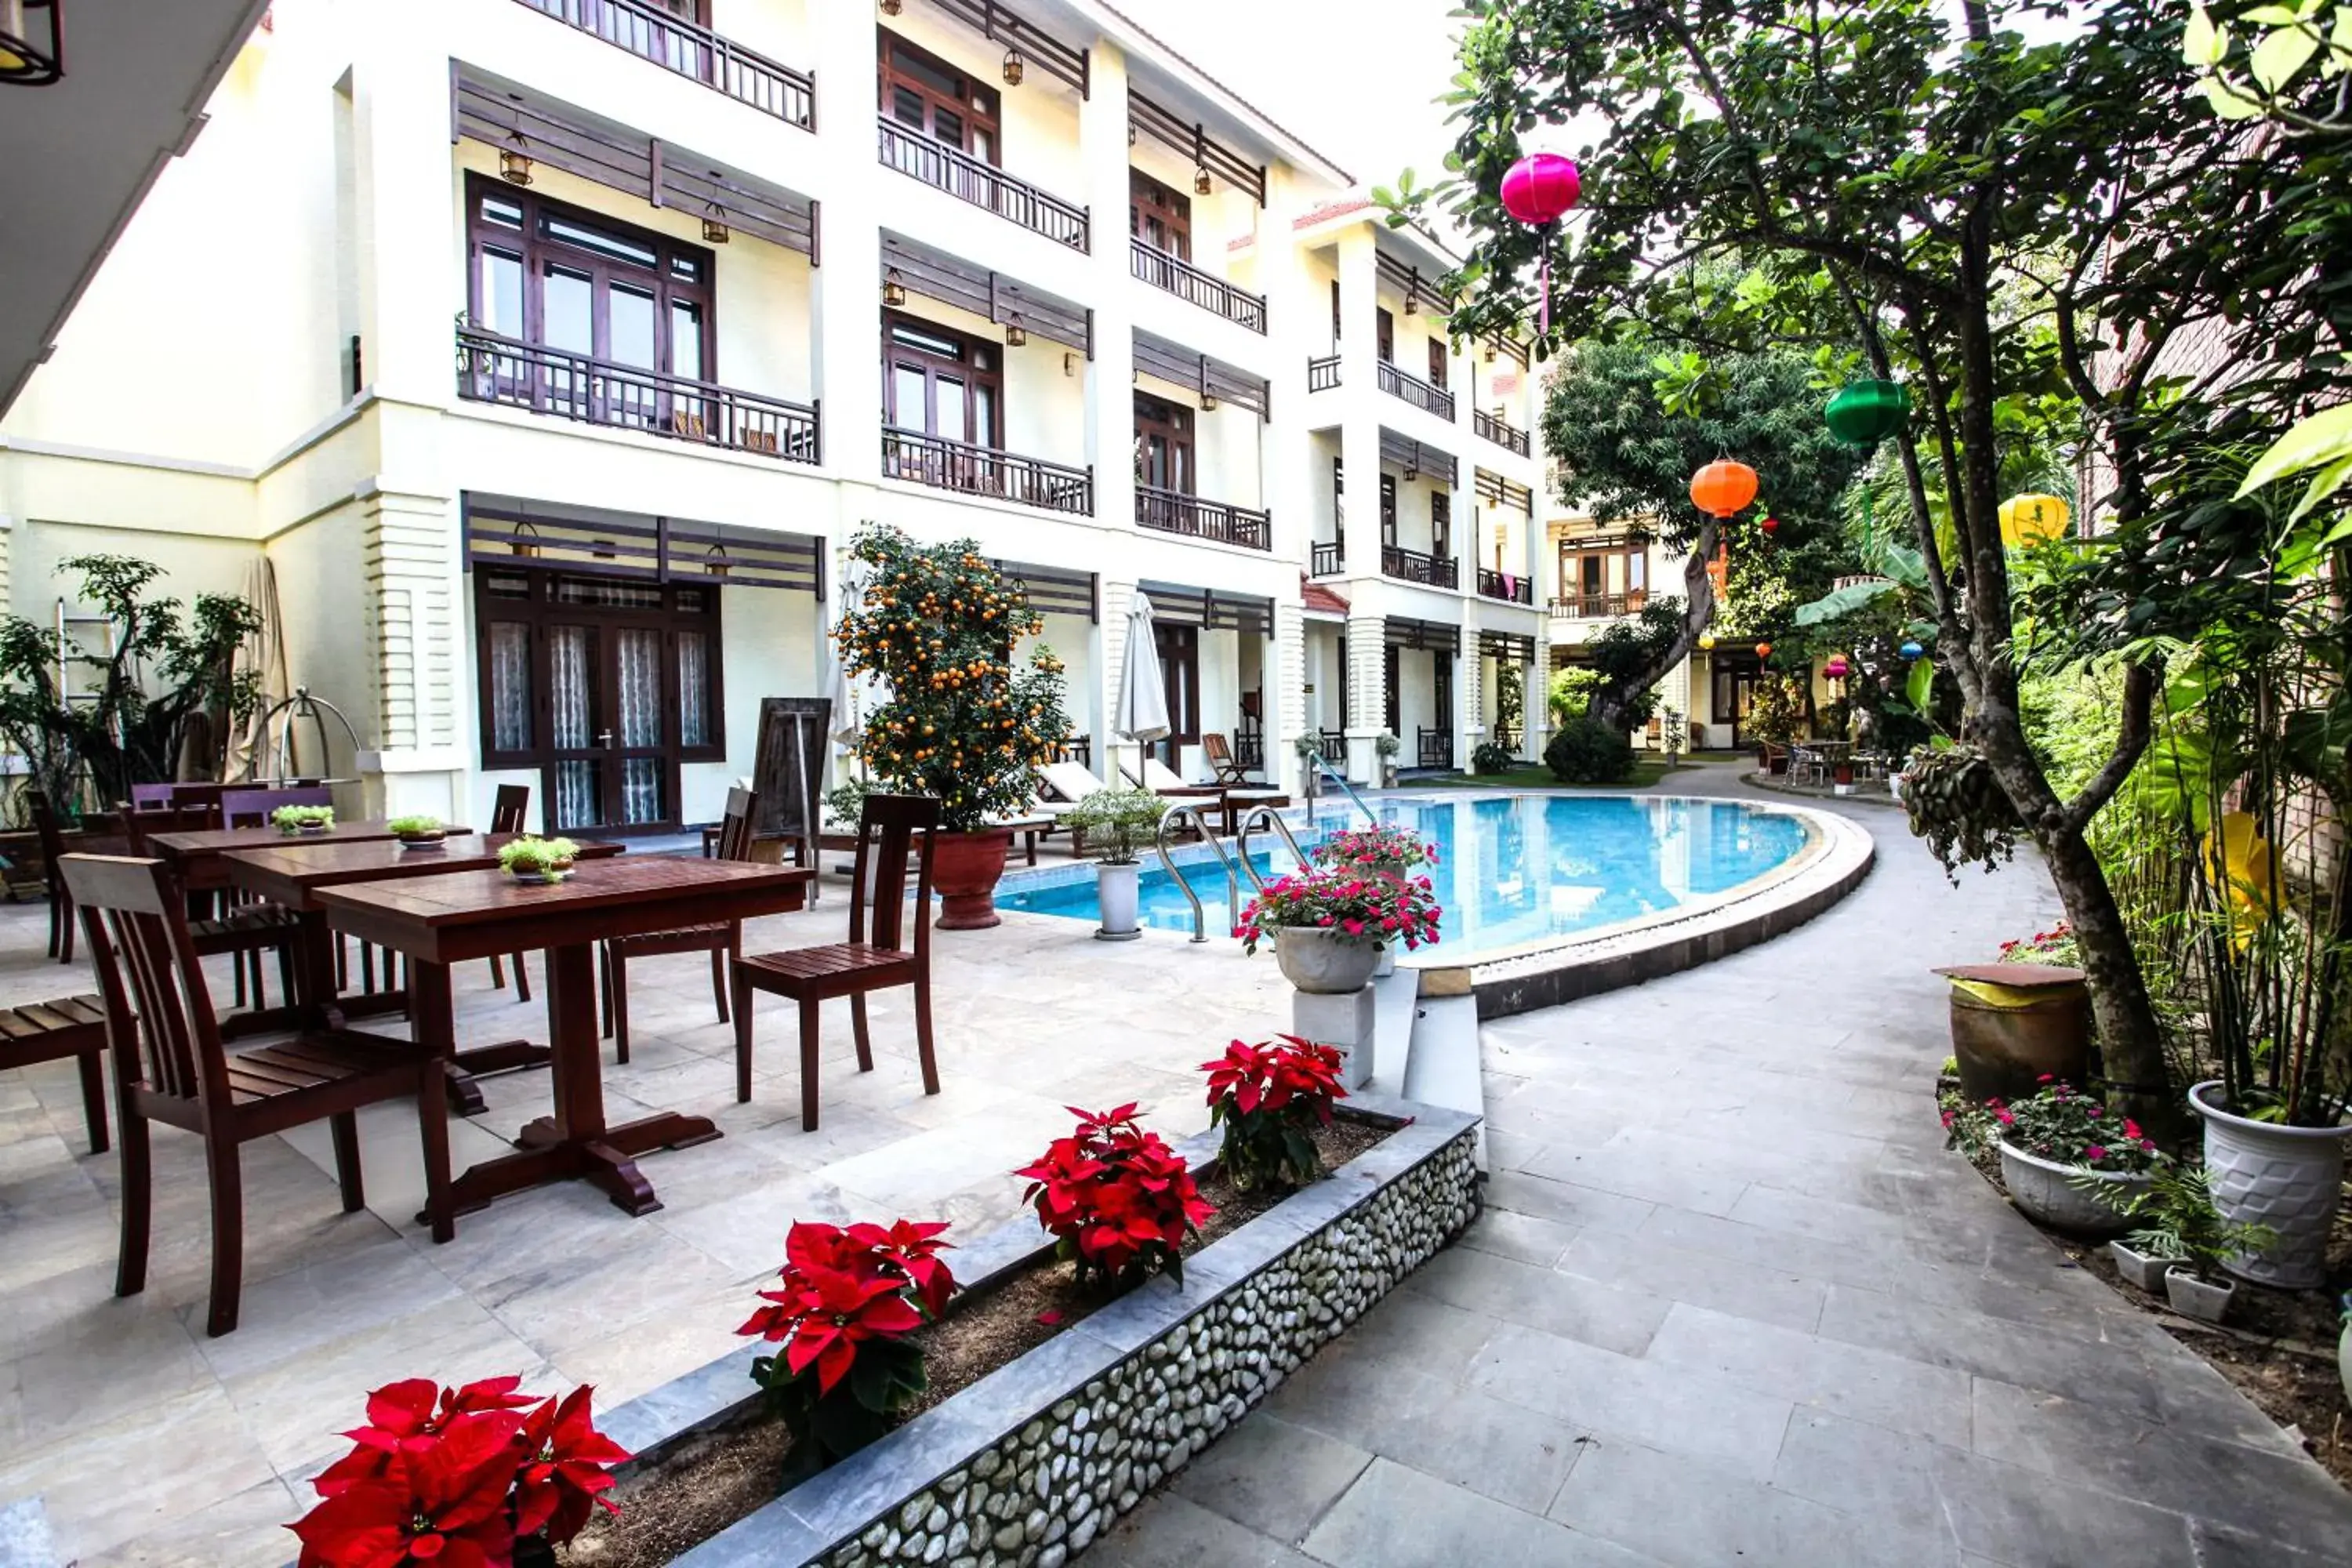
x=1513 y=869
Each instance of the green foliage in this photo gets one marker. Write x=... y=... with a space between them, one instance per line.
x=1117 y=823
x=1959 y=809
x=1492 y=758
x=1571 y=692
x=1585 y=750
x=845 y=803
x=2179 y=1220
x=1776 y=714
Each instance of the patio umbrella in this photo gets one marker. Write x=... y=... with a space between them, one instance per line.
x=1142 y=712
x=264 y=653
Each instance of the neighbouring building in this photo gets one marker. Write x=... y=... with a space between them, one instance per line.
x=550 y=353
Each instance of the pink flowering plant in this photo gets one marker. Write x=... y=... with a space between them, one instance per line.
x=2056 y=945
x=1396 y=850
x=2059 y=1122
x=1352 y=903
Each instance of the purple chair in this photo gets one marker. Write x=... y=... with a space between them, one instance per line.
x=150 y=796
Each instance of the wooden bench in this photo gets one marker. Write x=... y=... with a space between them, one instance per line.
x=52 y=1031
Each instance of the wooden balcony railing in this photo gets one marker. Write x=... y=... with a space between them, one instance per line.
x=658 y=33
x=1412 y=566
x=1323 y=560
x=1249 y=750
x=1194 y=287
x=1171 y=511
x=1436 y=748
x=965 y=177
x=1335 y=746
x=1498 y=432
x=1504 y=586
x=1417 y=392
x=1322 y=373
x=1599 y=606
x=494 y=369
x=945 y=465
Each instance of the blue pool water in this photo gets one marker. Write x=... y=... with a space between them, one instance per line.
x=1513 y=868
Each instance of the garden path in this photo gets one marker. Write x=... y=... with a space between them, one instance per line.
x=1732 y=1301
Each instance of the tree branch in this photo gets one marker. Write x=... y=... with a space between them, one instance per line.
x=2131 y=741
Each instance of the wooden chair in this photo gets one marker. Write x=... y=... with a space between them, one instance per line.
x=722 y=941
x=506 y=813
x=179 y=1073
x=890 y=826
x=53 y=848
x=149 y=796
x=251 y=807
x=1221 y=766
x=241 y=926
x=50 y=1032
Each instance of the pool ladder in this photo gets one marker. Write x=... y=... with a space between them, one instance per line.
x=1181 y=815
x=1323 y=769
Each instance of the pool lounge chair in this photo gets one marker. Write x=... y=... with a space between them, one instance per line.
x=1162 y=781
x=1060 y=786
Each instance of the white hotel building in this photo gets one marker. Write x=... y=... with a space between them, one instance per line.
x=551 y=351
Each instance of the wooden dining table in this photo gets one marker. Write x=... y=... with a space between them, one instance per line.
x=196 y=856
x=292 y=871
x=437 y=922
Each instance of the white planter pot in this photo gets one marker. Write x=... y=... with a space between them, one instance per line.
x=1387 y=965
x=2045 y=1191
x=1116 y=893
x=1322 y=962
x=2139 y=1267
x=2285 y=1177
x=2193 y=1297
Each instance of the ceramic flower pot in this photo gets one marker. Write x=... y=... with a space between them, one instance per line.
x=2194 y=1297
x=1387 y=965
x=433 y=840
x=1116 y=895
x=2046 y=1192
x=2010 y=1050
x=965 y=869
x=2140 y=1269
x=1324 y=963
x=2285 y=1177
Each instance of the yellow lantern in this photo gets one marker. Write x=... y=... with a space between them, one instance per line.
x=1706 y=642
x=2031 y=519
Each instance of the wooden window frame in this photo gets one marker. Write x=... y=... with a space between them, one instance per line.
x=1150 y=199
x=1389 y=512
x=1392 y=678
x=1177 y=430
x=1441 y=525
x=1384 y=335
x=1334 y=315
x=971 y=368
x=1179 y=647
x=1437 y=362
x=980 y=107
x=1441 y=675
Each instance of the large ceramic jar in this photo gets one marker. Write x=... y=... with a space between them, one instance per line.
x=2287 y=1178
x=1323 y=962
x=2046 y=1191
x=965 y=869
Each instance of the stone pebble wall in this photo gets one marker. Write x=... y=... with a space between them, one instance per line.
x=1041 y=1496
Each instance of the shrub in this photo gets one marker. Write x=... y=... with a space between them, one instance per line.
x=1115 y=823
x=1586 y=751
x=846 y=1302
x=1492 y=757
x=1392 y=849
x=2056 y=946
x=456 y=1476
x=1118 y=1199
x=845 y=801
x=1267 y=1096
x=2060 y=1123
x=1353 y=903
x=402 y=826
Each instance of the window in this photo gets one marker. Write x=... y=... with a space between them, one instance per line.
x=925 y=94
x=1163 y=444
x=1385 y=343
x=1441 y=525
x=1441 y=670
x=584 y=284
x=1334 y=315
x=1394 y=715
x=940 y=382
x=1180 y=673
x=1437 y=363
x=1159 y=217
x=1388 y=511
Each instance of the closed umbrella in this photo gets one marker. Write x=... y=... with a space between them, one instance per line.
x=1142 y=712
x=264 y=653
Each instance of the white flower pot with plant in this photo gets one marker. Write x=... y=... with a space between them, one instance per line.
x=1379 y=851
x=2286 y=1179
x=1388 y=746
x=2179 y=1219
x=2144 y=1269
x=418 y=832
x=2344 y=1350
x=1327 y=924
x=533 y=859
x=1309 y=748
x=1115 y=825
x=2068 y=1161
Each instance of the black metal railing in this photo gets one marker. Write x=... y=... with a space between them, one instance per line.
x=1508 y=737
x=1412 y=566
x=1436 y=748
x=1335 y=746
x=501 y=370
x=965 y=177
x=1076 y=748
x=1499 y=432
x=1504 y=586
x=1194 y=287
x=654 y=32
x=1415 y=390
x=1323 y=560
x=945 y=465
x=1599 y=606
x=1171 y=511
x=1249 y=750
x=1322 y=373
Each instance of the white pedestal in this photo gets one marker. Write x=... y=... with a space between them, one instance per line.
x=1345 y=1021
x=1442 y=1061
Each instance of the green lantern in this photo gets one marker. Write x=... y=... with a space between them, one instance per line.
x=1864 y=413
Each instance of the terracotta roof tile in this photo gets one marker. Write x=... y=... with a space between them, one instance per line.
x=1319 y=597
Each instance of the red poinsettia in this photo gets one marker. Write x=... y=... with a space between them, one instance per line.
x=844 y=1288
x=565 y=1472
x=1266 y=1097
x=1119 y=1197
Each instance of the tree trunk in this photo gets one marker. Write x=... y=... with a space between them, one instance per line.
x=1612 y=704
x=2131 y=1043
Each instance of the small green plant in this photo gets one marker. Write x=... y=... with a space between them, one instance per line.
x=1115 y=823
x=1674 y=734
x=530 y=855
x=1959 y=807
x=298 y=818
x=845 y=801
x=1308 y=747
x=1491 y=758
x=2179 y=1220
x=413 y=827
x=1388 y=745
x=1585 y=750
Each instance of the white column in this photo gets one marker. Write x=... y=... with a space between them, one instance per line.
x=1110 y=387
x=1359 y=425
x=1469 y=716
x=846 y=364
x=1114 y=597
x=1538 y=726
x=1367 y=695
x=1285 y=718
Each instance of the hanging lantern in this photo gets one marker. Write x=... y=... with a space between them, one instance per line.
x=28 y=59
x=1910 y=649
x=1014 y=67
x=1723 y=487
x=1770 y=525
x=1015 y=334
x=1763 y=650
x=1706 y=642
x=892 y=7
x=1201 y=183
x=714 y=225
x=514 y=159
x=1836 y=668
x=2031 y=519
x=893 y=288
x=1864 y=413
x=715 y=561
x=1538 y=189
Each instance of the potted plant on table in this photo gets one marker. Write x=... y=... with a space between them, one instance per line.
x=1329 y=923
x=303 y=818
x=2069 y=1161
x=418 y=832
x=966 y=722
x=1115 y=824
x=535 y=859
x=2182 y=1226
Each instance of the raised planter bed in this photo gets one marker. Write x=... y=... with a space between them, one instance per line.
x=1028 y=1464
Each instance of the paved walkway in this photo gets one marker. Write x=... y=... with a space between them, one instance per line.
x=1732 y=1302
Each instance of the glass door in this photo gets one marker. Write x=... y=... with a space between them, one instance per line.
x=578 y=735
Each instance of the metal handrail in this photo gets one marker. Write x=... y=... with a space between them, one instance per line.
x=1174 y=817
x=1340 y=779
x=1241 y=842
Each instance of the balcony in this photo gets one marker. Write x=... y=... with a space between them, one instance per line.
x=1322 y=373
x=1171 y=511
x=945 y=465
x=494 y=369
x=1501 y=434
x=1417 y=392
x=1599 y=606
x=1412 y=566
x=1334 y=746
x=1175 y=274
x=1323 y=560
x=1502 y=585
x=1436 y=748
x=654 y=32
x=966 y=178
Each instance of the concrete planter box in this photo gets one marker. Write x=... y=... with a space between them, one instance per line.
x=2139 y=1267
x=1031 y=1463
x=2194 y=1297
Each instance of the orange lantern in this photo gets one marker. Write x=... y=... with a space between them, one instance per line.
x=1763 y=650
x=1723 y=487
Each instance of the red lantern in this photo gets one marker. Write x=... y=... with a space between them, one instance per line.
x=1723 y=487
x=1770 y=525
x=1538 y=189
x=1763 y=650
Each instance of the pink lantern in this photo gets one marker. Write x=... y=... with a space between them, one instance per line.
x=1538 y=190
x=1836 y=668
